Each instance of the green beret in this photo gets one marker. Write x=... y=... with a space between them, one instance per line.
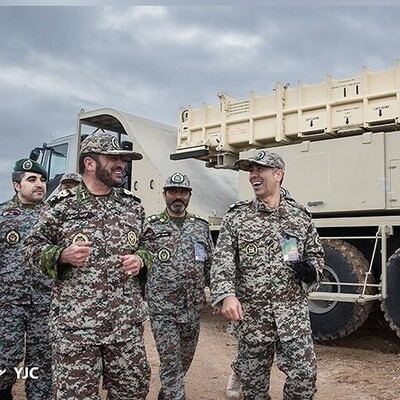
x=28 y=165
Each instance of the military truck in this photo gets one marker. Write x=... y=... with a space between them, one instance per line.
x=212 y=193
x=340 y=140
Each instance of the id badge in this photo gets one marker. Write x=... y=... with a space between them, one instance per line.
x=199 y=252
x=290 y=250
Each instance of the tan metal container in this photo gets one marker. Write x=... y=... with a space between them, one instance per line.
x=327 y=110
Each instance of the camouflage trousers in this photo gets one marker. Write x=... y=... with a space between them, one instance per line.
x=296 y=359
x=176 y=344
x=24 y=336
x=77 y=370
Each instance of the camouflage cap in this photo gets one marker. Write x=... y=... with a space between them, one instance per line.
x=104 y=143
x=261 y=157
x=28 y=165
x=71 y=176
x=178 y=180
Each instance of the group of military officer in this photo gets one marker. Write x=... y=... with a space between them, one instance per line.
x=71 y=299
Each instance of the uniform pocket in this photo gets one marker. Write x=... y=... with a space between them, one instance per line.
x=251 y=248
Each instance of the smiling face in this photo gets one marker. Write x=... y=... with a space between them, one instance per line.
x=110 y=170
x=266 y=181
x=31 y=189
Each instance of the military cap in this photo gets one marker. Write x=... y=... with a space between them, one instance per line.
x=261 y=157
x=71 y=176
x=178 y=180
x=107 y=144
x=28 y=165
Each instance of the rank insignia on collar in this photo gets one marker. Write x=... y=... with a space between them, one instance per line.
x=63 y=193
x=12 y=212
x=80 y=237
x=132 y=238
x=164 y=255
x=251 y=249
x=13 y=237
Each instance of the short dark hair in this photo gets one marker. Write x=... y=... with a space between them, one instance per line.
x=16 y=176
x=82 y=156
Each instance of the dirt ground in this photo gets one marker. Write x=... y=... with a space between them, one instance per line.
x=362 y=366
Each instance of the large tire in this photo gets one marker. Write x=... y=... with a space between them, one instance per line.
x=391 y=305
x=334 y=319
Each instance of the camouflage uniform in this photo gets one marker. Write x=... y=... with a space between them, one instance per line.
x=175 y=294
x=248 y=263
x=97 y=311
x=71 y=176
x=24 y=304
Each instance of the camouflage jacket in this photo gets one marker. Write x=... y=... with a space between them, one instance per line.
x=248 y=263
x=18 y=283
x=96 y=303
x=181 y=263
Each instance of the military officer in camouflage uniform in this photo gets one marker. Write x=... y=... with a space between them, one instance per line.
x=89 y=241
x=182 y=252
x=268 y=256
x=69 y=180
x=24 y=294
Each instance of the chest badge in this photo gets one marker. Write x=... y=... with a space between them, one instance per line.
x=251 y=249
x=80 y=237
x=13 y=237
x=164 y=255
x=132 y=238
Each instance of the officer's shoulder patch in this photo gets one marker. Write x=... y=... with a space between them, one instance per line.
x=194 y=217
x=153 y=218
x=128 y=193
x=63 y=194
x=239 y=204
x=294 y=203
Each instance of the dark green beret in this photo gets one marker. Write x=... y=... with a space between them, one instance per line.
x=28 y=165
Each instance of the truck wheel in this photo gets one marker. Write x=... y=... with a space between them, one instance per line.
x=391 y=305
x=334 y=319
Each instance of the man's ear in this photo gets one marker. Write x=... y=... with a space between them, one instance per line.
x=17 y=186
x=90 y=164
x=279 y=174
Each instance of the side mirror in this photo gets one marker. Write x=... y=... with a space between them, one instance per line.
x=126 y=145
x=35 y=153
x=83 y=137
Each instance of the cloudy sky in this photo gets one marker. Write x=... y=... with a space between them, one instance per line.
x=151 y=60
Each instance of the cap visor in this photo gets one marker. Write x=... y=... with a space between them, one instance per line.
x=244 y=165
x=125 y=154
x=176 y=187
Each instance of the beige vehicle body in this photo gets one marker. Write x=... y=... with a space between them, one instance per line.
x=340 y=140
x=212 y=192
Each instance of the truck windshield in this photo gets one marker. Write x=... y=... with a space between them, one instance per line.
x=55 y=160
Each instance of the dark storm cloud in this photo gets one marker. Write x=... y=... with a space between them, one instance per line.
x=151 y=61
